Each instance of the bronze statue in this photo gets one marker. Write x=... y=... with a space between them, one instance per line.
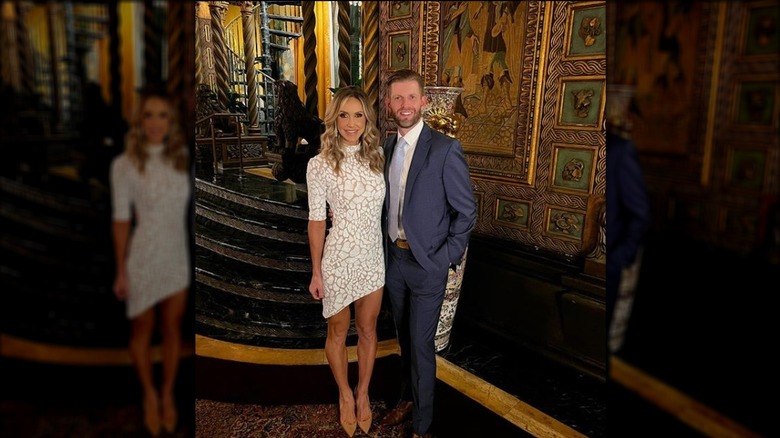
x=293 y=124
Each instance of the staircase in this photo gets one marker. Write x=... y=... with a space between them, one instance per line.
x=57 y=265
x=276 y=24
x=253 y=268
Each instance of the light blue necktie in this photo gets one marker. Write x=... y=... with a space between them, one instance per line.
x=394 y=176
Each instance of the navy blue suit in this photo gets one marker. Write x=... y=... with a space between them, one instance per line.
x=628 y=212
x=438 y=215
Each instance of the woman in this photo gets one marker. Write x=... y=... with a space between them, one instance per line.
x=150 y=186
x=348 y=266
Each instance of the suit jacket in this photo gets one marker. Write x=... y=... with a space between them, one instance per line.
x=628 y=205
x=439 y=211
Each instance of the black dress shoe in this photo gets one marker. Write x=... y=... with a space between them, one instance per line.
x=398 y=414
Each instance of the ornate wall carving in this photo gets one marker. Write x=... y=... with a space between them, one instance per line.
x=719 y=184
x=519 y=130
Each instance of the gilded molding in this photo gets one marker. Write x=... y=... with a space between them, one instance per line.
x=430 y=36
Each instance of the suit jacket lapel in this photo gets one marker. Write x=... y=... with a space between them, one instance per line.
x=420 y=155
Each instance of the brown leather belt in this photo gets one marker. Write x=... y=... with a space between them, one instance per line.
x=403 y=244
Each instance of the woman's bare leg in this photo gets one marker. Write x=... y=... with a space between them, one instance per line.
x=140 y=351
x=366 y=314
x=172 y=311
x=336 y=352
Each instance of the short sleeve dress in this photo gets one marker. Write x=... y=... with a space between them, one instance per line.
x=158 y=262
x=353 y=260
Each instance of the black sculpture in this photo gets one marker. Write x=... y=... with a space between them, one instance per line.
x=292 y=125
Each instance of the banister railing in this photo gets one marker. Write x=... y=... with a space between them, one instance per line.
x=210 y=118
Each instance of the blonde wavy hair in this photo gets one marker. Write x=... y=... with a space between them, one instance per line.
x=370 y=152
x=175 y=151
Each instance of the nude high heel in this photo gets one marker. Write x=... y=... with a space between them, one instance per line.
x=152 y=415
x=169 y=415
x=364 y=424
x=349 y=428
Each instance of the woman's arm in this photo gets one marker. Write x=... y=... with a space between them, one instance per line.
x=316 y=245
x=121 y=234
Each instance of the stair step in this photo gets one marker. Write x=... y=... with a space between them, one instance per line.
x=251 y=281
x=260 y=336
x=33 y=310
x=238 y=309
x=251 y=243
x=259 y=223
x=52 y=259
x=269 y=196
x=253 y=258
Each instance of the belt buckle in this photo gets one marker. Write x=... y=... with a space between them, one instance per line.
x=403 y=244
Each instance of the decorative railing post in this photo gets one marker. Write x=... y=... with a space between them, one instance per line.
x=248 y=25
x=310 y=55
x=152 y=43
x=345 y=44
x=115 y=59
x=176 y=65
x=24 y=51
x=218 y=10
x=370 y=32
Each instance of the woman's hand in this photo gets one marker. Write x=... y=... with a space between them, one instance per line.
x=316 y=289
x=120 y=286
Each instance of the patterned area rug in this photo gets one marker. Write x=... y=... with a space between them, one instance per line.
x=42 y=400
x=223 y=420
x=35 y=420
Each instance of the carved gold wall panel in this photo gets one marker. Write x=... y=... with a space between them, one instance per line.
x=509 y=58
x=714 y=171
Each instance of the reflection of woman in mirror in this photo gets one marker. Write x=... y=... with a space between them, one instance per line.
x=348 y=266
x=150 y=188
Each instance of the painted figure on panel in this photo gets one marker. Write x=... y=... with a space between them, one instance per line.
x=657 y=52
x=481 y=52
x=457 y=36
x=499 y=15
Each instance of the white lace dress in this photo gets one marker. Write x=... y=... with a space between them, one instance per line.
x=353 y=260
x=158 y=263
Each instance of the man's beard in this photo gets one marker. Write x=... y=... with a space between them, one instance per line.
x=411 y=122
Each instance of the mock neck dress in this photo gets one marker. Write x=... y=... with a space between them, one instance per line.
x=158 y=260
x=353 y=259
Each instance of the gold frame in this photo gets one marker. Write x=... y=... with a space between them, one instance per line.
x=562 y=81
x=554 y=235
x=389 y=50
x=731 y=152
x=556 y=147
x=571 y=9
x=390 y=15
x=520 y=167
x=494 y=218
x=744 y=24
x=739 y=81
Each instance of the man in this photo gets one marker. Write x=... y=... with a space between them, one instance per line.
x=430 y=212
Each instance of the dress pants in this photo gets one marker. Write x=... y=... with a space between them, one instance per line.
x=416 y=297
